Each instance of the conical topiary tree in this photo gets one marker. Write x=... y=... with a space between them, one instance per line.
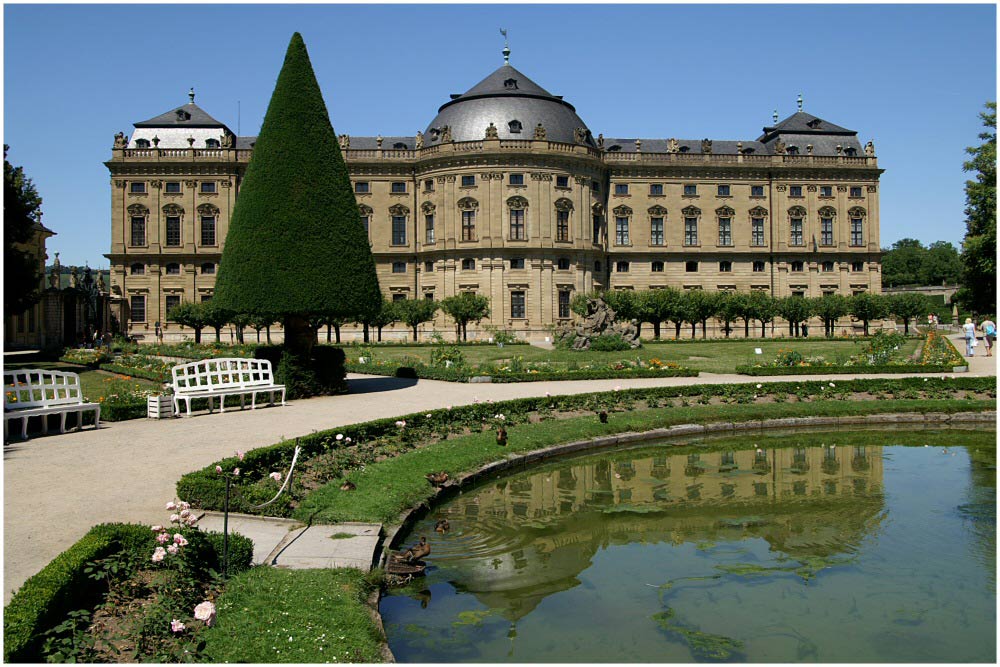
x=296 y=246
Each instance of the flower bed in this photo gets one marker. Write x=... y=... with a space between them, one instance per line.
x=880 y=354
x=140 y=365
x=107 y=591
x=83 y=357
x=122 y=399
x=328 y=455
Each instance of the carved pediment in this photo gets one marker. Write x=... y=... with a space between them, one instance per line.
x=467 y=204
x=758 y=212
x=828 y=212
x=657 y=211
x=597 y=208
x=517 y=203
x=622 y=211
x=208 y=209
x=797 y=212
x=563 y=204
x=691 y=210
x=398 y=209
x=137 y=209
x=428 y=208
x=365 y=209
x=172 y=209
x=857 y=212
x=725 y=212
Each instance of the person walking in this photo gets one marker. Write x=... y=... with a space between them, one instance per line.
x=989 y=329
x=969 y=332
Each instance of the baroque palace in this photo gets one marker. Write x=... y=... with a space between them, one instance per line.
x=508 y=194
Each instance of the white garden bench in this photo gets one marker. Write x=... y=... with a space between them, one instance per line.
x=218 y=378
x=40 y=393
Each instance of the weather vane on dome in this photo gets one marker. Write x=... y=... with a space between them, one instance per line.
x=506 y=47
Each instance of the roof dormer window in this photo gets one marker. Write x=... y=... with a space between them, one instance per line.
x=614 y=149
x=211 y=143
x=510 y=84
x=142 y=143
x=515 y=126
x=850 y=152
x=814 y=123
x=684 y=149
x=792 y=150
x=435 y=133
x=183 y=115
x=399 y=146
x=747 y=151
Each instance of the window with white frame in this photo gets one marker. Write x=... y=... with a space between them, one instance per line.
x=517 y=231
x=429 y=228
x=399 y=230
x=690 y=230
x=656 y=230
x=621 y=230
x=795 y=229
x=725 y=231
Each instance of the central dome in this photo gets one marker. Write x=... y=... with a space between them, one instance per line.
x=514 y=104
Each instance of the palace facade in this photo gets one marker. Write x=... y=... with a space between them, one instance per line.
x=507 y=193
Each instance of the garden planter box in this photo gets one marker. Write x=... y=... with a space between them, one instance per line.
x=159 y=407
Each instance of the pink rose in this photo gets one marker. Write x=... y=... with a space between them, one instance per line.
x=157 y=528
x=163 y=538
x=205 y=612
x=340 y=436
x=236 y=472
x=173 y=549
x=276 y=476
x=175 y=518
x=179 y=540
x=171 y=505
x=185 y=514
x=191 y=520
x=347 y=439
x=218 y=470
x=159 y=554
x=184 y=506
x=239 y=455
x=176 y=626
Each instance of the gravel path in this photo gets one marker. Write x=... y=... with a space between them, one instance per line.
x=57 y=487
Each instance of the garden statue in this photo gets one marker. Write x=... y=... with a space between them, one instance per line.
x=599 y=321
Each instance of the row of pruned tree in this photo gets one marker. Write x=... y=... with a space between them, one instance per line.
x=697 y=307
x=462 y=309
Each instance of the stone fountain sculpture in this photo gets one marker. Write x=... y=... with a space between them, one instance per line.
x=599 y=321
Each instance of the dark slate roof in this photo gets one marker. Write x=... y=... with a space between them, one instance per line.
x=245 y=142
x=804 y=123
x=822 y=144
x=802 y=129
x=192 y=116
x=719 y=146
x=504 y=96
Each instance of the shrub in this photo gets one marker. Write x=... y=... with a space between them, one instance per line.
x=325 y=373
x=609 y=343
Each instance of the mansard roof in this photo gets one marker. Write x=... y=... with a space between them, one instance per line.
x=801 y=122
x=187 y=115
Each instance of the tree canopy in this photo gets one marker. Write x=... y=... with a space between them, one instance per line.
x=21 y=209
x=979 y=249
x=908 y=262
x=464 y=308
x=296 y=246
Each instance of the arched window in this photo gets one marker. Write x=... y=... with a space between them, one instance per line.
x=137 y=269
x=518 y=229
x=622 y=216
x=138 y=215
x=468 y=207
x=173 y=269
x=792 y=150
x=212 y=143
x=400 y=146
x=209 y=217
x=515 y=126
x=563 y=208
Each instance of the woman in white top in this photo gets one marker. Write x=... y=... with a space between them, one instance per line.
x=969 y=331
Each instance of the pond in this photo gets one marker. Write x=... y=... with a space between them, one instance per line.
x=840 y=546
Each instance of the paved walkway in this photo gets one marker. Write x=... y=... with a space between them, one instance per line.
x=57 y=487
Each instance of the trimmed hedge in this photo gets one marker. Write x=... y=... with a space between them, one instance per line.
x=465 y=374
x=849 y=370
x=424 y=343
x=62 y=586
x=206 y=489
x=324 y=374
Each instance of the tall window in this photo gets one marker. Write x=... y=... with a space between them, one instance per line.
x=399 y=230
x=137 y=305
x=725 y=231
x=857 y=232
x=690 y=231
x=138 y=230
x=468 y=225
x=517 y=305
x=826 y=231
x=757 y=231
x=173 y=230
x=365 y=220
x=621 y=231
x=563 y=304
x=517 y=224
x=562 y=225
x=208 y=230
x=796 y=231
x=597 y=228
x=656 y=231
x=171 y=301
x=429 y=228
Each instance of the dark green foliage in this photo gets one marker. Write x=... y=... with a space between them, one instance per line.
x=609 y=343
x=979 y=248
x=464 y=308
x=321 y=374
x=867 y=307
x=830 y=308
x=847 y=370
x=190 y=314
x=21 y=212
x=795 y=310
x=908 y=262
x=763 y=308
x=296 y=246
x=908 y=306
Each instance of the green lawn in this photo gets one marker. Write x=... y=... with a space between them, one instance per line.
x=710 y=357
x=95 y=383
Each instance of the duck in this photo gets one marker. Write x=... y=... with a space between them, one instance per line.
x=437 y=478
x=348 y=486
x=442 y=526
x=417 y=551
x=502 y=436
x=603 y=416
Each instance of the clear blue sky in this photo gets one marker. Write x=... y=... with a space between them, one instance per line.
x=911 y=78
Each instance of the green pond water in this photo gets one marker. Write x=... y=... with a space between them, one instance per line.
x=860 y=546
